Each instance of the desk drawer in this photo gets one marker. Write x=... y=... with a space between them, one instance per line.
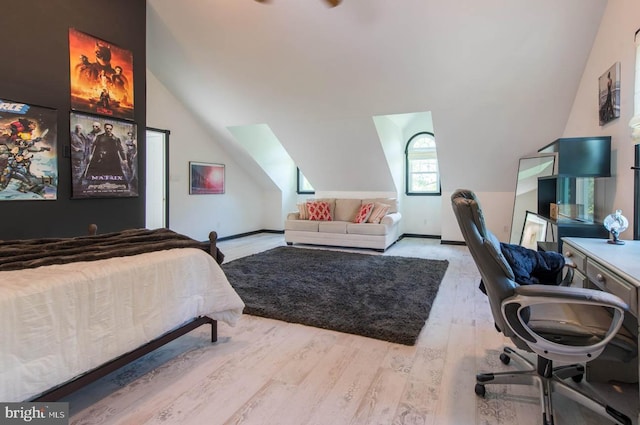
x=579 y=279
x=610 y=282
x=576 y=257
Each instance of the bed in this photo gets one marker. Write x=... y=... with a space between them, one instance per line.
x=73 y=310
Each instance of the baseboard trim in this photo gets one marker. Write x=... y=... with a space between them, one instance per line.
x=417 y=235
x=404 y=235
x=446 y=242
x=255 y=232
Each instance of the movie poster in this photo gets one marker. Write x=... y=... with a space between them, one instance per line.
x=101 y=76
x=28 y=156
x=104 y=157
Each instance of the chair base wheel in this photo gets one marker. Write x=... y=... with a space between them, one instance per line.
x=578 y=378
x=480 y=390
x=505 y=359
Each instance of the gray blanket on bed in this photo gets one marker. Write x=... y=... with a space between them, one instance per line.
x=30 y=253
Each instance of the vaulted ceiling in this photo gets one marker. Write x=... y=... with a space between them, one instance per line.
x=497 y=76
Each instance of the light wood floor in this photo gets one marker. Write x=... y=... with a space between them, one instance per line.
x=270 y=372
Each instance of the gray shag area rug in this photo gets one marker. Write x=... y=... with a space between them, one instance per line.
x=376 y=296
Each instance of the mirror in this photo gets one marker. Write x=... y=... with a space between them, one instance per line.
x=526 y=198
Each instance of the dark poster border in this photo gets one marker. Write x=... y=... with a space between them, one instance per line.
x=101 y=76
x=28 y=152
x=103 y=165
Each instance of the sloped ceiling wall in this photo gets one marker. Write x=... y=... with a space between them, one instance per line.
x=498 y=77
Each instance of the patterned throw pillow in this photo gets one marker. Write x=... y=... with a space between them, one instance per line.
x=319 y=211
x=302 y=210
x=364 y=213
x=379 y=211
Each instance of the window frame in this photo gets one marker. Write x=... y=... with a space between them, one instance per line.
x=636 y=111
x=407 y=173
x=299 y=179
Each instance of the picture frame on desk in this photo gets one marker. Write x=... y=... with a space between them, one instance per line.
x=533 y=231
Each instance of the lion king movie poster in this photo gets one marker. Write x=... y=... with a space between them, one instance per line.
x=101 y=76
x=28 y=156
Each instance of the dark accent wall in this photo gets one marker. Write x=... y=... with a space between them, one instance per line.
x=35 y=70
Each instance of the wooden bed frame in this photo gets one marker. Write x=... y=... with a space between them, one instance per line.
x=101 y=371
x=75 y=384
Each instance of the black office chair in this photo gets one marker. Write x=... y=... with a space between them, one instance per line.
x=557 y=323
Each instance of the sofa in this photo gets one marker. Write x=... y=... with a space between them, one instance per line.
x=345 y=222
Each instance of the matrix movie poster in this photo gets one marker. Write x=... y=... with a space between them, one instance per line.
x=104 y=157
x=28 y=156
x=101 y=76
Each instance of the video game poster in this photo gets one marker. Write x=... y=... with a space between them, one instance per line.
x=101 y=76
x=104 y=157
x=28 y=154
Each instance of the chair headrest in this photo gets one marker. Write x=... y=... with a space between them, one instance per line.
x=467 y=199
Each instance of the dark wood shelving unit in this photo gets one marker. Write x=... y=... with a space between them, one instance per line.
x=577 y=158
x=564 y=227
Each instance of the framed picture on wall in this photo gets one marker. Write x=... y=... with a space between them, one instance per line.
x=28 y=152
x=104 y=157
x=101 y=76
x=609 y=94
x=206 y=179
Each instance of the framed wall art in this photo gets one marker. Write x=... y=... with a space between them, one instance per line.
x=533 y=231
x=28 y=152
x=206 y=179
x=104 y=157
x=609 y=94
x=101 y=76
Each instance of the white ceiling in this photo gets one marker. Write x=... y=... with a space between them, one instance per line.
x=498 y=76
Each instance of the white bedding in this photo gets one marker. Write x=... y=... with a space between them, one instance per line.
x=60 y=321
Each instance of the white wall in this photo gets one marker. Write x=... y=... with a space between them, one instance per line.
x=614 y=43
x=265 y=148
x=496 y=206
x=238 y=210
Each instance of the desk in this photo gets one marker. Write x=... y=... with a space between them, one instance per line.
x=612 y=268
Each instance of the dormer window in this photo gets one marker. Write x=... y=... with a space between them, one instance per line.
x=422 y=174
x=304 y=187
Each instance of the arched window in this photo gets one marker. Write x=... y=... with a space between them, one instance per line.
x=423 y=176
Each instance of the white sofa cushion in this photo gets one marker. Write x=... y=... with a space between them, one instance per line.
x=392 y=202
x=332 y=227
x=346 y=209
x=366 y=229
x=303 y=213
x=304 y=225
x=378 y=213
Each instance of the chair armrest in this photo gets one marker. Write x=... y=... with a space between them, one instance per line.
x=391 y=218
x=528 y=295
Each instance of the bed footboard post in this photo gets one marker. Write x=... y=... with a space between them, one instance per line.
x=213 y=249
x=214 y=330
x=213 y=237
